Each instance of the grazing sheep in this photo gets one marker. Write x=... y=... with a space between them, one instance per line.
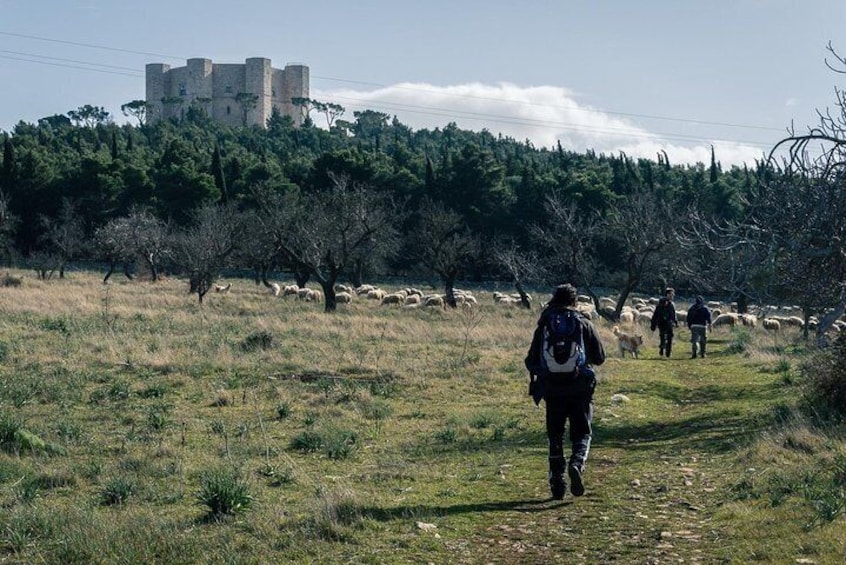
x=627 y=318
x=434 y=300
x=412 y=299
x=681 y=316
x=290 y=290
x=313 y=295
x=644 y=317
x=343 y=288
x=364 y=289
x=223 y=289
x=728 y=319
x=275 y=289
x=343 y=297
x=393 y=298
x=748 y=320
x=584 y=299
x=771 y=324
x=795 y=321
x=303 y=293
x=376 y=294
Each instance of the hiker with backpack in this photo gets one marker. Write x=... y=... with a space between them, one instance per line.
x=698 y=320
x=564 y=347
x=664 y=318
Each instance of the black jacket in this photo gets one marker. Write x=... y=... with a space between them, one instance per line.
x=698 y=315
x=664 y=315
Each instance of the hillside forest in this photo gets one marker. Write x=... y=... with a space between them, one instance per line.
x=370 y=198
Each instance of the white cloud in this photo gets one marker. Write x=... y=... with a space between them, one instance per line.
x=542 y=114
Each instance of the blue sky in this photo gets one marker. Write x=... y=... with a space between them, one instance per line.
x=633 y=76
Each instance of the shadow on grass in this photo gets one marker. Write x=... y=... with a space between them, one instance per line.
x=426 y=511
x=715 y=432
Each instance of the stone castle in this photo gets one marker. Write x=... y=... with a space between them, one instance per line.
x=232 y=94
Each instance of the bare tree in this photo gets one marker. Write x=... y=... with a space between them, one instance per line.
x=520 y=264
x=204 y=248
x=801 y=209
x=567 y=245
x=63 y=237
x=443 y=243
x=325 y=232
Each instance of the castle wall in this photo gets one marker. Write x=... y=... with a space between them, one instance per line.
x=215 y=88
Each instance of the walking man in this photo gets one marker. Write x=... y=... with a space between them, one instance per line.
x=564 y=346
x=664 y=318
x=698 y=320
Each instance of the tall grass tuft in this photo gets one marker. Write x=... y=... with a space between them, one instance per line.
x=824 y=382
x=223 y=492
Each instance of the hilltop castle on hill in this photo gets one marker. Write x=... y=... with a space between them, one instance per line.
x=231 y=94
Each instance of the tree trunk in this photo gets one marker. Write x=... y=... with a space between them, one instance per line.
x=449 y=284
x=524 y=298
x=330 y=302
x=109 y=272
x=301 y=276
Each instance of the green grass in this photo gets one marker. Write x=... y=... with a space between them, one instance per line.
x=383 y=435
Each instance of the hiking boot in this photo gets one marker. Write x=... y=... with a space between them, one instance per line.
x=661 y=352
x=557 y=486
x=577 y=487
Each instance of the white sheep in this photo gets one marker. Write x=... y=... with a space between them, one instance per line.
x=364 y=289
x=275 y=289
x=727 y=319
x=290 y=290
x=393 y=298
x=343 y=288
x=412 y=299
x=223 y=289
x=434 y=300
x=376 y=294
x=627 y=317
x=343 y=297
x=771 y=324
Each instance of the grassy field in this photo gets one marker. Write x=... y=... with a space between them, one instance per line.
x=139 y=427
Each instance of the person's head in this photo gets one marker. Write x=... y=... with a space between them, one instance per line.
x=563 y=295
x=669 y=292
x=699 y=300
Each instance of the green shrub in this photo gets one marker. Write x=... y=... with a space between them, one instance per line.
x=824 y=382
x=9 y=429
x=116 y=491
x=741 y=338
x=257 y=341
x=224 y=493
x=308 y=440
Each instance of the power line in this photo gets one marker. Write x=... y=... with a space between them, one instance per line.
x=420 y=89
x=132 y=69
x=449 y=113
x=611 y=112
x=136 y=75
x=91 y=45
x=545 y=124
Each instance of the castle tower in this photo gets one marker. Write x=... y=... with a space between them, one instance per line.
x=233 y=94
x=157 y=79
x=295 y=84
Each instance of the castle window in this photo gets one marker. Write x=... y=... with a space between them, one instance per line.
x=228 y=89
x=273 y=92
x=228 y=110
x=182 y=89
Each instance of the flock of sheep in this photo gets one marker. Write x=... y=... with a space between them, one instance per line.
x=771 y=318
x=639 y=311
x=406 y=297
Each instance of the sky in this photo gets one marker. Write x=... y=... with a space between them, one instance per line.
x=637 y=76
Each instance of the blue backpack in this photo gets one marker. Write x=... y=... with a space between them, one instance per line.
x=563 y=348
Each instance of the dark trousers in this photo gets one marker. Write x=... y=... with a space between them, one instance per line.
x=576 y=407
x=665 y=336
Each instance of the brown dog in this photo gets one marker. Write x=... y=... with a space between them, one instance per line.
x=626 y=342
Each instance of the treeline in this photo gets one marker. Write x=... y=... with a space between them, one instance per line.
x=370 y=197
